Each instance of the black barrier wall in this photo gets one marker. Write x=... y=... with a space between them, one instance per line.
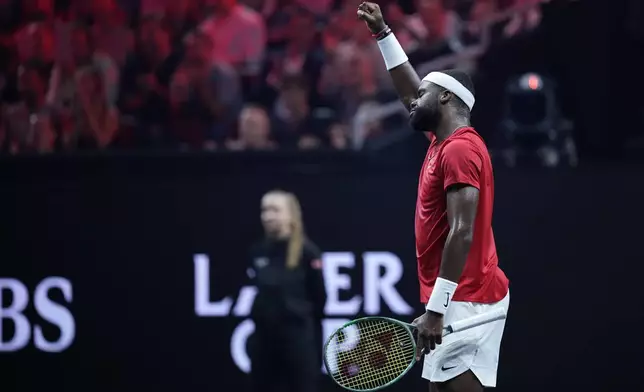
x=123 y=273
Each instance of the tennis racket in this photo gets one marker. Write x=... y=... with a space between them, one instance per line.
x=372 y=353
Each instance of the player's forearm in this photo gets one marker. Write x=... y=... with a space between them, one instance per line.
x=457 y=247
x=405 y=78
x=406 y=82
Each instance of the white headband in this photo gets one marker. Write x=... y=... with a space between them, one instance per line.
x=453 y=85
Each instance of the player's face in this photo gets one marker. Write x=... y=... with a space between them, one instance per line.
x=276 y=216
x=425 y=114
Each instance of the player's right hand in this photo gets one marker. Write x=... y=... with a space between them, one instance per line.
x=429 y=329
x=371 y=14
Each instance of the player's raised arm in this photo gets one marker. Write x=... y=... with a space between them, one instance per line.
x=405 y=78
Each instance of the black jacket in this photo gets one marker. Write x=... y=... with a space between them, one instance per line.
x=293 y=296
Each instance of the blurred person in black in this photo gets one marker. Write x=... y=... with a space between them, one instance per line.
x=287 y=269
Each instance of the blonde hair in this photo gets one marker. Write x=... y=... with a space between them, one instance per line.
x=296 y=241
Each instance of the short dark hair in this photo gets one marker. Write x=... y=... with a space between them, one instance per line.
x=466 y=81
x=462 y=77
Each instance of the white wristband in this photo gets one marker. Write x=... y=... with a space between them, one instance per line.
x=441 y=296
x=392 y=52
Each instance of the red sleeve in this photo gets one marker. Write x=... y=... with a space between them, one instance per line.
x=461 y=164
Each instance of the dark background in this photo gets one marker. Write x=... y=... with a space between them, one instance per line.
x=124 y=229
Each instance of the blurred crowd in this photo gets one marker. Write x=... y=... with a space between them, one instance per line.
x=214 y=74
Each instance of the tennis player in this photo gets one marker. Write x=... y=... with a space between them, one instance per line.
x=457 y=261
x=286 y=268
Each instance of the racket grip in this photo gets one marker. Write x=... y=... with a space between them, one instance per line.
x=475 y=321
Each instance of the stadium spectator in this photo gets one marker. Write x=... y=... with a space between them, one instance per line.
x=277 y=16
x=180 y=70
x=26 y=120
x=109 y=32
x=293 y=122
x=35 y=43
x=430 y=21
x=62 y=100
x=437 y=27
x=238 y=36
x=338 y=139
x=302 y=55
x=97 y=122
x=479 y=12
x=84 y=54
x=180 y=18
x=354 y=73
x=145 y=82
x=333 y=33
x=254 y=131
x=205 y=97
x=398 y=22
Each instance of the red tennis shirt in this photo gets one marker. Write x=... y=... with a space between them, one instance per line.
x=462 y=158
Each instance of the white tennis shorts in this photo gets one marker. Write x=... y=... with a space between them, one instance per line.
x=476 y=349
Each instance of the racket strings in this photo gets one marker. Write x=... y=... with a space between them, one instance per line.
x=379 y=352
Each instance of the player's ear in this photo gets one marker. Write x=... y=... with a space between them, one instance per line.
x=445 y=97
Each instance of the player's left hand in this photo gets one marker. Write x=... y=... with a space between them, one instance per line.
x=430 y=332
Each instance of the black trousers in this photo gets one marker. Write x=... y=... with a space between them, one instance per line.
x=285 y=357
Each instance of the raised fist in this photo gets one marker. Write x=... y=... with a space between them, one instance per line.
x=371 y=14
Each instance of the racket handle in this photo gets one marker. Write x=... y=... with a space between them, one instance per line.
x=475 y=321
